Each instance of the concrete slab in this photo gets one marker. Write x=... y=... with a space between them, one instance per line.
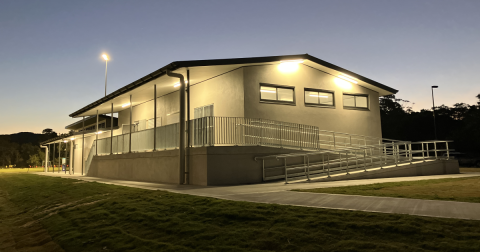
x=279 y=193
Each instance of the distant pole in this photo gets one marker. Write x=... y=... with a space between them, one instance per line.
x=433 y=109
x=105 y=57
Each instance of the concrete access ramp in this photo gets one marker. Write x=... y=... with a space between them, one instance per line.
x=419 y=168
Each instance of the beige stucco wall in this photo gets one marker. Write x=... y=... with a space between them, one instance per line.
x=334 y=119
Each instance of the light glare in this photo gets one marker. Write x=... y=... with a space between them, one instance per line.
x=343 y=83
x=347 y=78
x=125 y=105
x=105 y=57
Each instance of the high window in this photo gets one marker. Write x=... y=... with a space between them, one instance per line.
x=320 y=98
x=203 y=111
x=277 y=94
x=355 y=101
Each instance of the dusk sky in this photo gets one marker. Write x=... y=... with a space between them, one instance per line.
x=50 y=64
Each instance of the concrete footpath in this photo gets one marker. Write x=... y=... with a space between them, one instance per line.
x=279 y=193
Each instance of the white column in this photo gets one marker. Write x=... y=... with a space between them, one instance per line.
x=71 y=157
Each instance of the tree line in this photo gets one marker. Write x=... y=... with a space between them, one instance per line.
x=23 y=149
x=460 y=123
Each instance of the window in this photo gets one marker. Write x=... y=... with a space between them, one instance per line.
x=277 y=94
x=203 y=111
x=320 y=98
x=355 y=101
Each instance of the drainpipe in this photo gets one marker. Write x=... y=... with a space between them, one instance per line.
x=46 y=157
x=182 y=172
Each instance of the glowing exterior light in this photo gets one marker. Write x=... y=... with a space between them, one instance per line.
x=178 y=84
x=126 y=105
x=343 y=83
x=347 y=78
x=105 y=57
x=65 y=141
x=73 y=138
x=100 y=132
x=288 y=66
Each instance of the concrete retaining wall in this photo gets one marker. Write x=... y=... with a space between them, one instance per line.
x=220 y=165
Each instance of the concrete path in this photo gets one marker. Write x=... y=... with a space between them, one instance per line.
x=279 y=193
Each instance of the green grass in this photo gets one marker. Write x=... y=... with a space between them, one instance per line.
x=21 y=170
x=89 y=216
x=454 y=189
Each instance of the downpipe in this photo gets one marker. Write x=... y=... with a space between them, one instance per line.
x=183 y=172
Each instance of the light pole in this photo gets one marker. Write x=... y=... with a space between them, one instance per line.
x=105 y=57
x=433 y=109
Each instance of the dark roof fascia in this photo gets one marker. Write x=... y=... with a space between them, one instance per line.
x=345 y=71
x=88 y=118
x=54 y=139
x=217 y=62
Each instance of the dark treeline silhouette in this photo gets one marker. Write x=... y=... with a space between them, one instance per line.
x=22 y=149
x=460 y=123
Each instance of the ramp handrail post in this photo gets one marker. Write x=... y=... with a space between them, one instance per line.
x=285 y=165
x=410 y=150
x=364 y=160
x=448 y=151
x=347 y=161
x=428 y=152
x=435 y=148
x=423 y=153
x=328 y=160
x=397 y=152
x=356 y=159
x=263 y=169
x=308 y=168
x=334 y=141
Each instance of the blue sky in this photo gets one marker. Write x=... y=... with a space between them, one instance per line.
x=50 y=63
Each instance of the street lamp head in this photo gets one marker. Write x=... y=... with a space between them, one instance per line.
x=434 y=86
x=105 y=57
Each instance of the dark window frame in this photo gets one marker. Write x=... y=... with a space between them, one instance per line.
x=293 y=103
x=317 y=104
x=355 y=100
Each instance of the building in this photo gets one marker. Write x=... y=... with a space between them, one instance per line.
x=236 y=109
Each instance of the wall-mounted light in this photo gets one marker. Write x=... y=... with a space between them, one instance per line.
x=288 y=66
x=98 y=133
x=125 y=105
x=73 y=138
x=65 y=141
x=347 y=78
x=343 y=83
x=178 y=84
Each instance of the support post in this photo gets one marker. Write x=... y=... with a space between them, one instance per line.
x=182 y=126
x=435 y=147
x=59 y=157
x=154 y=117
x=66 y=158
x=285 y=167
x=448 y=151
x=71 y=160
x=83 y=143
x=111 y=130
x=130 y=133
x=328 y=160
x=347 y=162
x=423 y=153
x=96 y=137
x=53 y=158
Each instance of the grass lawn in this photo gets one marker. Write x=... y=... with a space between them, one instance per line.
x=89 y=216
x=469 y=169
x=21 y=170
x=456 y=189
